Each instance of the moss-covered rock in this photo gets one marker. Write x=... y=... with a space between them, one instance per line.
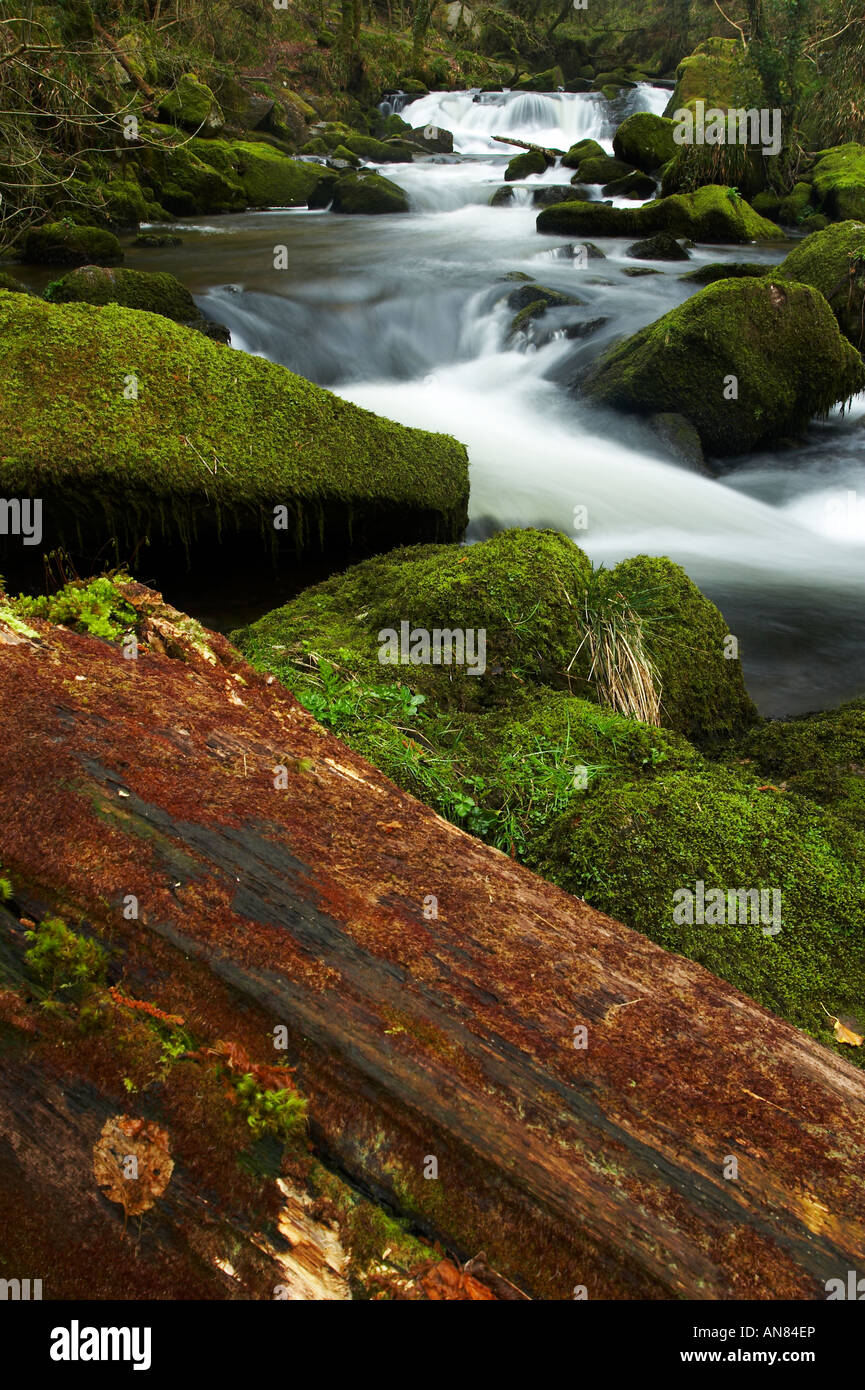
x=645 y=141
x=709 y=214
x=157 y=241
x=745 y=361
x=368 y=193
x=661 y=247
x=524 y=164
x=11 y=283
x=155 y=292
x=637 y=849
x=136 y=427
x=820 y=756
x=377 y=151
x=63 y=243
x=838 y=179
x=833 y=261
x=602 y=169
x=191 y=104
x=727 y=270
x=712 y=72
x=583 y=149
x=703 y=692
x=182 y=180
x=271 y=179
x=637 y=186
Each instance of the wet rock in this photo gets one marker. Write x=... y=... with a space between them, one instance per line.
x=661 y=247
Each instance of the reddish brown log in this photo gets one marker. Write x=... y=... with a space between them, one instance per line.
x=417 y=1035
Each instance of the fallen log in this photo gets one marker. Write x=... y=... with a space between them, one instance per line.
x=433 y=992
x=549 y=154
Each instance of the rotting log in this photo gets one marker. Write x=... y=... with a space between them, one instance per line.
x=545 y=150
x=430 y=986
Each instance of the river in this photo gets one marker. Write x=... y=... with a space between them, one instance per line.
x=405 y=315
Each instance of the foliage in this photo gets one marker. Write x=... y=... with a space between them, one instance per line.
x=95 y=607
x=63 y=959
x=281 y=1113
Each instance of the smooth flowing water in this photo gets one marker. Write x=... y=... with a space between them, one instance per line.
x=406 y=315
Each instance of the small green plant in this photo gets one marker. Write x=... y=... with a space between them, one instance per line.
x=280 y=1113
x=62 y=959
x=734 y=195
x=95 y=607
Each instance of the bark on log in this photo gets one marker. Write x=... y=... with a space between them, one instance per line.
x=526 y=145
x=416 y=1033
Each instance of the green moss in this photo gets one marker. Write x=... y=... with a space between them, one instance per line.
x=839 y=182
x=712 y=72
x=192 y=104
x=182 y=181
x=95 y=607
x=377 y=151
x=583 y=149
x=271 y=179
x=725 y=270
x=602 y=169
x=11 y=283
x=794 y=207
x=522 y=165
x=368 y=194
x=63 y=243
x=708 y=214
x=821 y=756
x=62 y=959
x=703 y=692
x=645 y=141
x=155 y=292
x=631 y=846
x=212 y=433
x=833 y=261
x=778 y=339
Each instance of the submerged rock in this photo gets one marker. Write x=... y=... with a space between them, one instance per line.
x=745 y=361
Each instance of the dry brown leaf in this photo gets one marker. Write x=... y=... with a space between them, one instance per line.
x=842 y=1033
x=124 y=1137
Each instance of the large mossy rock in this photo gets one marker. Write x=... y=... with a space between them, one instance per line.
x=181 y=180
x=711 y=214
x=192 y=105
x=368 y=193
x=129 y=426
x=711 y=73
x=378 y=151
x=269 y=178
x=64 y=243
x=528 y=591
x=777 y=341
x=645 y=141
x=833 y=261
x=155 y=292
x=631 y=846
x=526 y=163
x=602 y=169
x=838 y=178
x=583 y=149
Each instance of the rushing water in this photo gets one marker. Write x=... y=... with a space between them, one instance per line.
x=405 y=315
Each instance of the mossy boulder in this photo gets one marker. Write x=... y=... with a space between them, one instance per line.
x=519 y=588
x=602 y=169
x=583 y=149
x=269 y=178
x=63 y=243
x=155 y=292
x=728 y=270
x=377 y=151
x=637 y=186
x=833 y=261
x=369 y=194
x=157 y=241
x=838 y=178
x=524 y=164
x=192 y=105
x=183 y=181
x=661 y=247
x=645 y=141
x=709 y=214
x=641 y=851
x=131 y=427
x=703 y=692
x=777 y=342
x=712 y=73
